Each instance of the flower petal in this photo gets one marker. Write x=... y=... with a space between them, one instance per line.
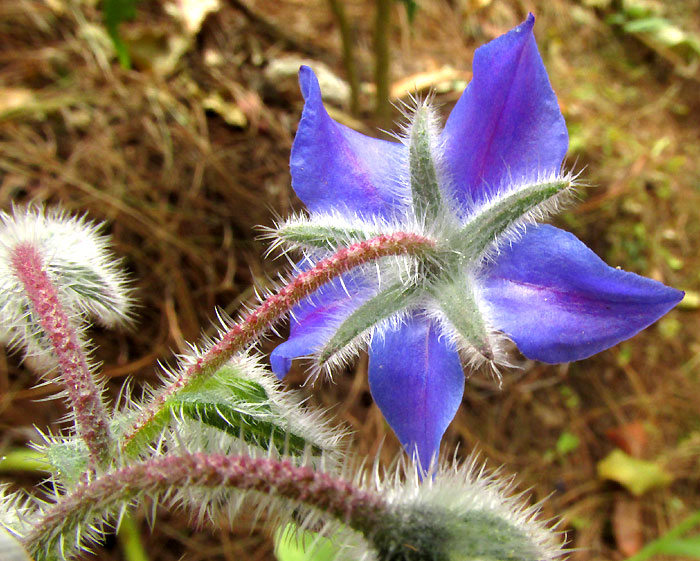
x=417 y=381
x=559 y=302
x=315 y=320
x=334 y=167
x=507 y=127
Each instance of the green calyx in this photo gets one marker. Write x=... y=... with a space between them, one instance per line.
x=442 y=278
x=446 y=275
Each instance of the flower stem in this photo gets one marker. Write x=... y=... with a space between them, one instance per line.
x=276 y=307
x=359 y=509
x=90 y=416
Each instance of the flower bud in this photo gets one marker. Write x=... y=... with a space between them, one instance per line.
x=88 y=279
x=461 y=513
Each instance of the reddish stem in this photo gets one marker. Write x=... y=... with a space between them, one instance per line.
x=277 y=306
x=361 y=510
x=89 y=412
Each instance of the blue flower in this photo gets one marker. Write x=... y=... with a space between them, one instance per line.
x=477 y=188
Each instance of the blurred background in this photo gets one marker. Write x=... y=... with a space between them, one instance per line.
x=172 y=122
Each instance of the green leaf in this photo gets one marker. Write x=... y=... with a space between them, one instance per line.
x=637 y=476
x=383 y=305
x=23 y=459
x=242 y=408
x=658 y=28
x=68 y=459
x=671 y=543
x=291 y=545
x=687 y=547
x=241 y=399
x=130 y=539
x=115 y=12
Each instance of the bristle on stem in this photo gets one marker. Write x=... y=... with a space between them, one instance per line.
x=91 y=419
x=338 y=498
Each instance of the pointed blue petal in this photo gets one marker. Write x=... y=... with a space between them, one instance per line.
x=334 y=167
x=417 y=381
x=316 y=318
x=559 y=302
x=507 y=127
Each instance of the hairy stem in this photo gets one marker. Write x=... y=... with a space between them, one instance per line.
x=338 y=498
x=277 y=306
x=91 y=421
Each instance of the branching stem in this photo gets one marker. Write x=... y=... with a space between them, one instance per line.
x=90 y=416
x=359 y=509
x=277 y=306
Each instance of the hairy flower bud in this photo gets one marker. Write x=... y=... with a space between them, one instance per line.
x=460 y=513
x=75 y=257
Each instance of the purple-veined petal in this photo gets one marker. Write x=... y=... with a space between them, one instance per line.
x=417 y=381
x=315 y=319
x=560 y=302
x=335 y=167
x=507 y=127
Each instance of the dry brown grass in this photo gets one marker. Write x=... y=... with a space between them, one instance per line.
x=181 y=190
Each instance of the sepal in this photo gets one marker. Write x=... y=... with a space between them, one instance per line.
x=499 y=219
x=375 y=311
x=466 y=326
x=425 y=188
x=325 y=231
x=67 y=456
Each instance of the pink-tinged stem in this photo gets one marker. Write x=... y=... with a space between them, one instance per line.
x=89 y=412
x=278 y=305
x=359 y=509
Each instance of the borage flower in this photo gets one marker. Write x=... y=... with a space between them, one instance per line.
x=476 y=188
